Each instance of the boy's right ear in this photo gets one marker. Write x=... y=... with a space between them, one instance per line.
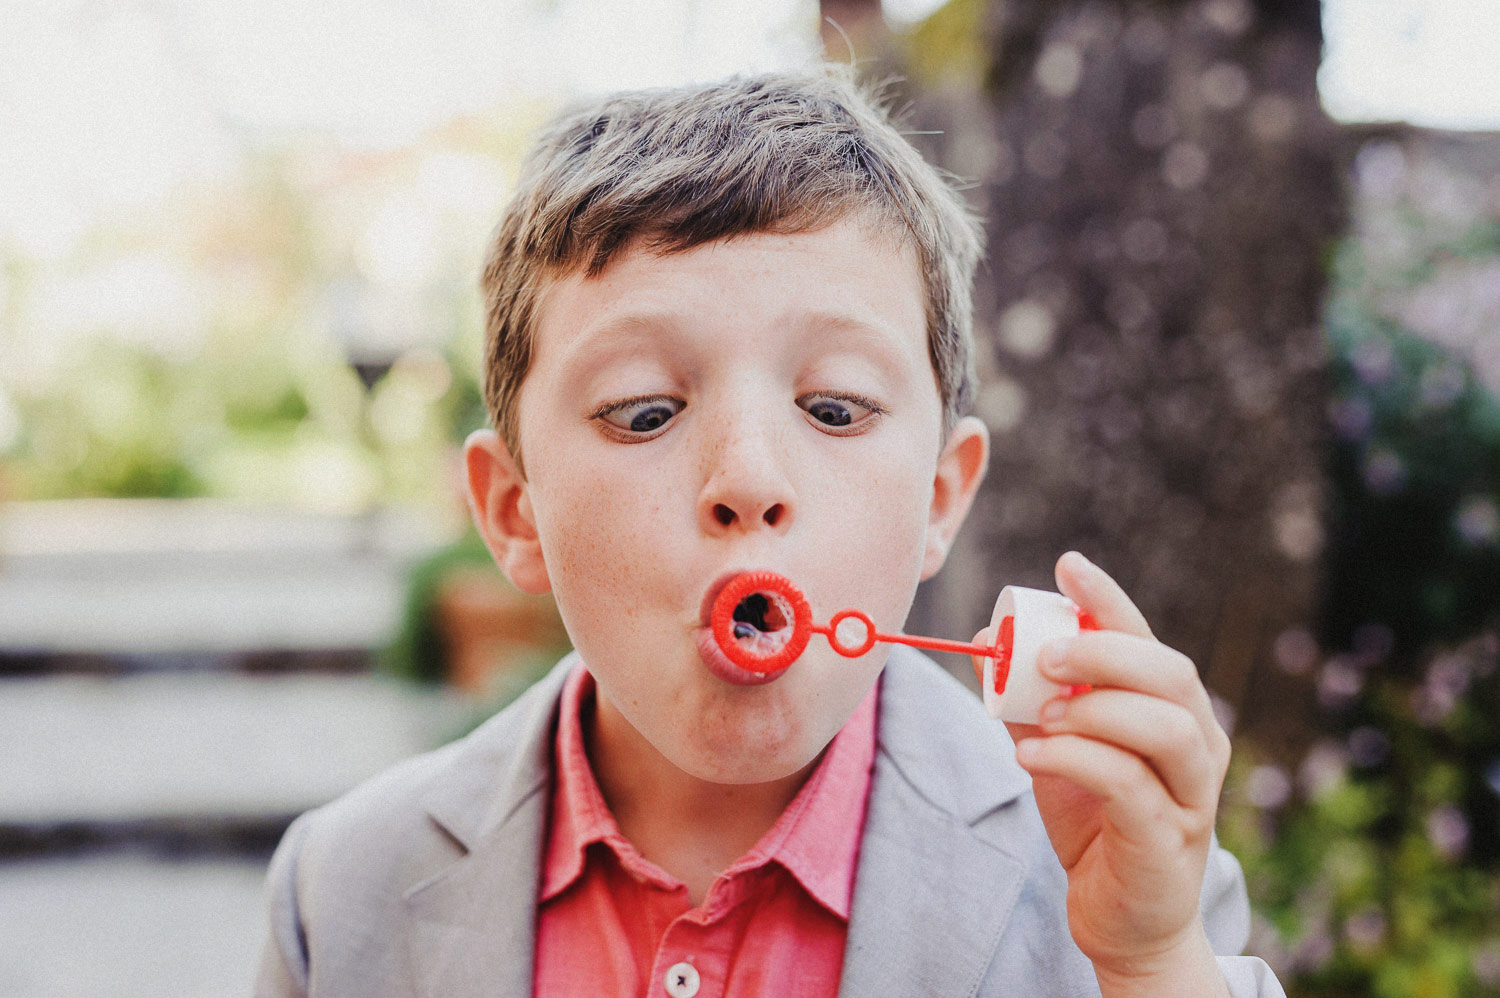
x=501 y=506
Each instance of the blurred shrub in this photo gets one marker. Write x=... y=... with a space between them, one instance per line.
x=1373 y=861
x=464 y=624
x=1372 y=864
x=418 y=653
x=284 y=421
x=1414 y=325
x=305 y=330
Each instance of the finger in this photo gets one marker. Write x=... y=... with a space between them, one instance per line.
x=1133 y=799
x=1094 y=590
x=1020 y=732
x=1127 y=662
x=1167 y=736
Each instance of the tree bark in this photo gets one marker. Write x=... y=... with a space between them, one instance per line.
x=1160 y=188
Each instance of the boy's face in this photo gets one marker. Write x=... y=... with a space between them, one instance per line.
x=765 y=402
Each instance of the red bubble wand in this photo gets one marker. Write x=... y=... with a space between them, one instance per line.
x=784 y=600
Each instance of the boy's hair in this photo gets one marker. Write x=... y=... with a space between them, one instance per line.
x=681 y=166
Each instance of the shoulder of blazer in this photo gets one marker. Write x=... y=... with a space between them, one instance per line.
x=402 y=825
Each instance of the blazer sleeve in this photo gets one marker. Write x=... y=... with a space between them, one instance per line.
x=284 y=963
x=1226 y=919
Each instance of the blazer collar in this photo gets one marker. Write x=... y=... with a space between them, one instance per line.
x=939 y=873
x=474 y=922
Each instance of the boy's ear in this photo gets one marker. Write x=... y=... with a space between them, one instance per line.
x=502 y=511
x=960 y=469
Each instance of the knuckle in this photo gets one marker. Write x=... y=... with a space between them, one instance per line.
x=1180 y=732
x=1183 y=675
x=1198 y=825
x=1222 y=748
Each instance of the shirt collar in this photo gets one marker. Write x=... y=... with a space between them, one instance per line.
x=816 y=839
x=817 y=836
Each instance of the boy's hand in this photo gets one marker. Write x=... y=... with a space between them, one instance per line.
x=1127 y=778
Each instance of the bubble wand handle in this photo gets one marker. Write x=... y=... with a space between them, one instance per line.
x=999 y=652
x=830 y=629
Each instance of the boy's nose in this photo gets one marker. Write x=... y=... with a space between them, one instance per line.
x=746 y=489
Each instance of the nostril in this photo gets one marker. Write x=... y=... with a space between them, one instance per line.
x=723 y=514
x=773 y=514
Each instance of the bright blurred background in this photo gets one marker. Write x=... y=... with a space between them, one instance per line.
x=1239 y=337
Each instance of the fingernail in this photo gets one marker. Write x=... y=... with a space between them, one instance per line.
x=1026 y=750
x=1053 y=710
x=1052 y=654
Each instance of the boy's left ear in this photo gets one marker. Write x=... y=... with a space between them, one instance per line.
x=960 y=469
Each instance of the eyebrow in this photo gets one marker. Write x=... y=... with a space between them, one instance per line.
x=841 y=324
x=617 y=334
x=628 y=326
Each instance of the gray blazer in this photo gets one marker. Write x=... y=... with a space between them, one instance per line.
x=422 y=881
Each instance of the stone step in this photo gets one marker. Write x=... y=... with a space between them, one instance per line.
x=176 y=755
x=130 y=925
x=160 y=579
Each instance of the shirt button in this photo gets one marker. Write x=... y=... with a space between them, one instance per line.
x=682 y=980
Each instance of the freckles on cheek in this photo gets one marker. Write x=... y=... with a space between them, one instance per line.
x=599 y=541
x=896 y=502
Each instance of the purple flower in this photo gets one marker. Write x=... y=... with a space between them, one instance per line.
x=1323 y=769
x=1365 y=929
x=1268 y=787
x=1448 y=830
x=1477 y=520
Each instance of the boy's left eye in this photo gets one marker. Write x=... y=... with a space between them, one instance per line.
x=838 y=411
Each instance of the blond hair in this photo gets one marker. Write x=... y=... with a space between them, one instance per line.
x=681 y=166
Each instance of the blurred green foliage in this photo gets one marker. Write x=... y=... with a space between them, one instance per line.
x=1415 y=460
x=290 y=426
x=417 y=653
x=1374 y=862
x=948 y=47
x=305 y=332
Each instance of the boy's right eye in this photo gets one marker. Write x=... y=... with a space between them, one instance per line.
x=639 y=417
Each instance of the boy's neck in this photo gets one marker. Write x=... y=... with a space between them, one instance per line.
x=691 y=828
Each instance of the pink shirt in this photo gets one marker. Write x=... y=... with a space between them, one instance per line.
x=611 y=922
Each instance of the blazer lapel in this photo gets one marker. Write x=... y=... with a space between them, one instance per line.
x=936 y=883
x=473 y=924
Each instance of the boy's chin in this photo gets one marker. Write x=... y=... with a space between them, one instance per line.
x=753 y=772
x=747 y=764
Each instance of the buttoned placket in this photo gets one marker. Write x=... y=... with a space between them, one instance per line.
x=686 y=956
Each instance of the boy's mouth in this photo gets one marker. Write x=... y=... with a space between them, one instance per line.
x=749 y=626
x=762 y=623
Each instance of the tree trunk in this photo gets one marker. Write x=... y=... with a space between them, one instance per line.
x=1161 y=188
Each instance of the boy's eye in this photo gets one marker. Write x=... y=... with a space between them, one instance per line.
x=640 y=415
x=838 y=411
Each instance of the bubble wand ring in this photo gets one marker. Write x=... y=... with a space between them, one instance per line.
x=789 y=601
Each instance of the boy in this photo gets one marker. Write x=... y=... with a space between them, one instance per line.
x=728 y=329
